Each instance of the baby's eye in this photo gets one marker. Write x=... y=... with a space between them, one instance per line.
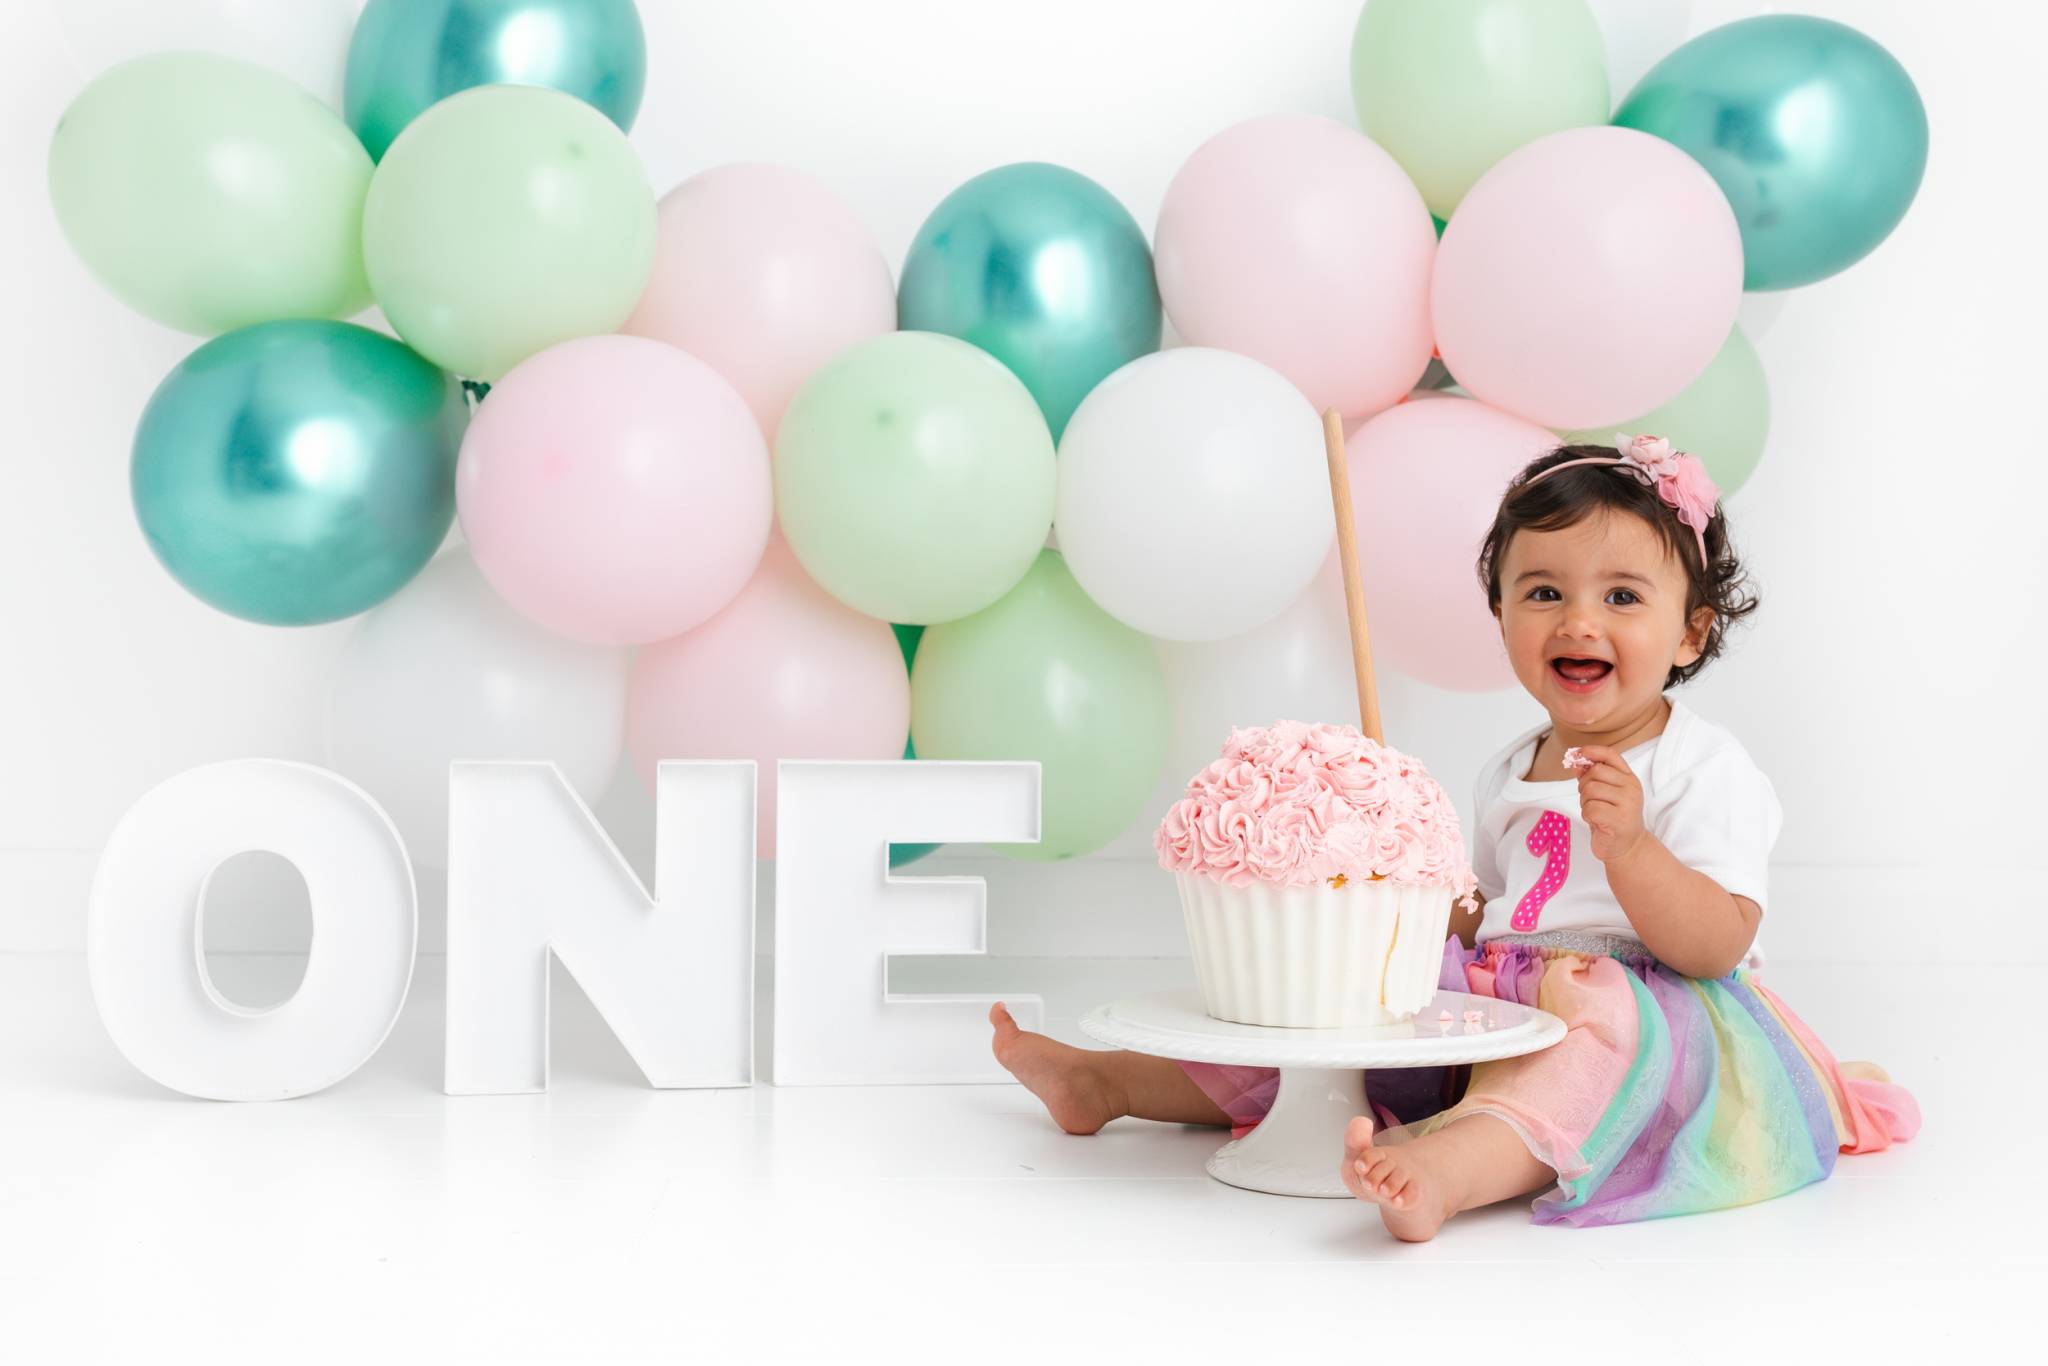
x=1537 y=594
x=1627 y=597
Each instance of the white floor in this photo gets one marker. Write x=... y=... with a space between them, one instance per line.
x=606 y=1221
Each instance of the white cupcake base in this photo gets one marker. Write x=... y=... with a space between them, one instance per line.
x=1319 y=957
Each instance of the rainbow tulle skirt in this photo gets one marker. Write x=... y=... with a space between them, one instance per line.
x=1668 y=1094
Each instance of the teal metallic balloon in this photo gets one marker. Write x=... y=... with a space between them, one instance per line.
x=1814 y=132
x=1043 y=269
x=906 y=639
x=406 y=54
x=298 y=472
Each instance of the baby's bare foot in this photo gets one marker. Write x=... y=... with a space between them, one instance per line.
x=1078 y=1096
x=1398 y=1180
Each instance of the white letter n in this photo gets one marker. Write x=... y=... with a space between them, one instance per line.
x=531 y=873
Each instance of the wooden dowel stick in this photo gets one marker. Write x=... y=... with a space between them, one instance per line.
x=1354 y=590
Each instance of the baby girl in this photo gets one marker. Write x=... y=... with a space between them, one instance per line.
x=1682 y=1083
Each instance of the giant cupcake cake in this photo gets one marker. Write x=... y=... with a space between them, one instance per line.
x=1317 y=871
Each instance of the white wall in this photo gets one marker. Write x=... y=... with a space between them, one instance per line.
x=1897 y=526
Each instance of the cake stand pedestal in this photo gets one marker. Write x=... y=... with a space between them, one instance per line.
x=1299 y=1147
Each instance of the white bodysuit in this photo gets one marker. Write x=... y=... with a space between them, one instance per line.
x=1703 y=796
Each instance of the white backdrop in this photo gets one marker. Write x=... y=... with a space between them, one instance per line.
x=1895 y=527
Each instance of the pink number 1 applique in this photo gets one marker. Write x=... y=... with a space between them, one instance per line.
x=1551 y=840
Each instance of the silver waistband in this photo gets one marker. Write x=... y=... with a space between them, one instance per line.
x=1574 y=941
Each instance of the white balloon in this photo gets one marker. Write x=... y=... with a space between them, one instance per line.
x=304 y=40
x=445 y=670
x=1759 y=312
x=1297 y=667
x=1194 y=499
x=1639 y=34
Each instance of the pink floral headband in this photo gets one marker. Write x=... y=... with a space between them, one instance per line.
x=1680 y=479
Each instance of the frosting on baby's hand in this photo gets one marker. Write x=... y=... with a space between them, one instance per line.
x=1574 y=759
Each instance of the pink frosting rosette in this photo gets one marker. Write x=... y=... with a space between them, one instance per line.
x=1297 y=804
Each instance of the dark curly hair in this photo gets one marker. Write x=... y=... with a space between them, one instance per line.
x=1570 y=496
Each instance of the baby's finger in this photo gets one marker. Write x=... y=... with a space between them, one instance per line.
x=1602 y=789
x=1600 y=815
x=1606 y=773
x=1603 y=756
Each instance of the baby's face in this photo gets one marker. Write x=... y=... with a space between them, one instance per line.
x=1593 y=618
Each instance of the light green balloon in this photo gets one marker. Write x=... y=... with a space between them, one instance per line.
x=1045 y=674
x=210 y=194
x=1449 y=87
x=503 y=220
x=915 y=478
x=1723 y=417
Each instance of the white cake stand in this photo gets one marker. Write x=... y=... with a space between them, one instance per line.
x=1299 y=1146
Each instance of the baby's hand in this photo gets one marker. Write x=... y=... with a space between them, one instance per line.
x=1610 y=802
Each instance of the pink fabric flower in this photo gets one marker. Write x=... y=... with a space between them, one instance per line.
x=1653 y=453
x=1300 y=804
x=1680 y=479
x=1690 y=490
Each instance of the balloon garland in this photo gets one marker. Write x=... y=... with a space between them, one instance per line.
x=1491 y=262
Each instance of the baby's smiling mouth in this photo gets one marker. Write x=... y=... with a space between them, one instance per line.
x=1579 y=671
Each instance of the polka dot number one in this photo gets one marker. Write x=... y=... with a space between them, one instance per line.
x=1551 y=841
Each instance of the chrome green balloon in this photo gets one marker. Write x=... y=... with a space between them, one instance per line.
x=1043 y=269
x=506 y=219
x=914 y=478
x=907 y=638
x=1723 y=417
x=406 y=54
x=209 y=194
x=1449 y=87
x=298 y=472
x=1814 y=132
x=1045 y=674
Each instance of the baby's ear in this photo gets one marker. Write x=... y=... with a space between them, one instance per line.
x=1695 y=640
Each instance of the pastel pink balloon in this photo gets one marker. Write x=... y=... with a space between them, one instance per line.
x=1588 y=277
x=1426 y=481
x=784 y=672
x=764 y=273
x=615 y=490
x=1297 y=241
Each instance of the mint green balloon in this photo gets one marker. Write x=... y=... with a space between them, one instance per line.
x=1723 y=417
x=914 y=478
x=1449 y=87
x=210 y=194
x=503 y=220
x=1045 y=674
x=906 y=640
